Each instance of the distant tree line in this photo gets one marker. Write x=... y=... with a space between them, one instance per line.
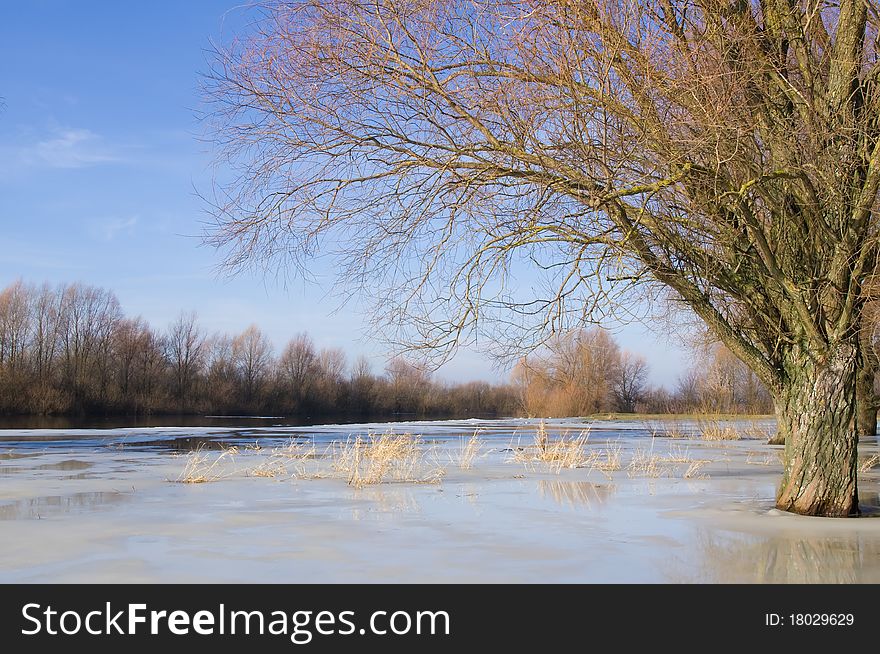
x=69 y=350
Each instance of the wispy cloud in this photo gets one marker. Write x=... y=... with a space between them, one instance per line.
x=69 y=148
x=35 y=149
x=108 y=229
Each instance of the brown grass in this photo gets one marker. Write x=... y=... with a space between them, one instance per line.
x=678 y=454
x=468 y=451
x=269 y=468
x=869 y=462
x=645 y=463
x=712 y=430
x=693 y=471
x=303 y=459
x=765 y=459
x=609 y=459
x=668 y=429
x=384 y=458
x=295 y=450
x=366 y=461
x=563 y=452
x=759 y=432
x=202 y=467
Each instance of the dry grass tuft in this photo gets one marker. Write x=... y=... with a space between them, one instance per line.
x=269 y=468
x=296 y=450
x=386 y=457
x=758 y=432
x=669 y=429
x=693 y=471
x=712 y=430
x=302 y=459
x=764 y=460
x=563 y=452
x=678 y=454
x=608 y=460
x=646 y=463
x=468 y=451
x=201 y=467
x=869 y=462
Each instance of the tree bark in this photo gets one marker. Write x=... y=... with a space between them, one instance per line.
x=817 y=411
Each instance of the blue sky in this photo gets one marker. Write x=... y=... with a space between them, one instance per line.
x=100 y=163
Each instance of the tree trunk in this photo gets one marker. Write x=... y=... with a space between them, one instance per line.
x=817 y=412
x=867 y=408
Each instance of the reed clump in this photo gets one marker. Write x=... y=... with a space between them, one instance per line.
x=201 y=467
x=608 y=459
x=668 y=429
x=869 y=462
x=384 y=458
x=468 y=451
x=564 y=452
x=693 y=470
x=713 y=430
x=269 y=468
x=759 y=459
x=645 y=463
x=759 y=432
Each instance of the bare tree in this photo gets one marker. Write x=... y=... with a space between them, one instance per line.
x=46 y=310
x=185 y=347
x=252 y=356
x=719 y=382
x=409 y=384
x=330 y=367
x=129 y=339
x=575 y=376
x=45 y=319
x=88 y=318
x=298 y=366
x=140 y=362
x=222 y=374
x=70 y=350
x=361 y=368
x=15 y=327
x=687 y=390
x=630 y=381
x=724 y=151
x=16 y=331
x=363 y=386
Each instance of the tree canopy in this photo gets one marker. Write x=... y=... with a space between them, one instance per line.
x=724 y=151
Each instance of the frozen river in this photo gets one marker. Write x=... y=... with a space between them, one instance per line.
x=626 y=503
